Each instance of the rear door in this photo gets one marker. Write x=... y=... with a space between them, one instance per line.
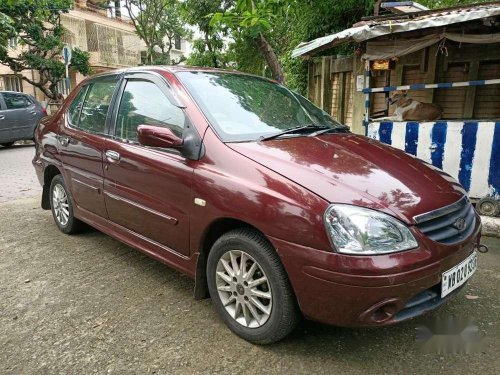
x=81 y=143
x=148 y=190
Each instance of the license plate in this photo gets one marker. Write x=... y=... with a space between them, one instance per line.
x=458 y=275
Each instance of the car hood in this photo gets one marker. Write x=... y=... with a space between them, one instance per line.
x=352 y=169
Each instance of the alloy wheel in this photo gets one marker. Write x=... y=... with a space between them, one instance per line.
x=244 y=289
x=60 y=204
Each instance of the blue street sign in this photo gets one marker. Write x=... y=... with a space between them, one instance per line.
x=66 y=54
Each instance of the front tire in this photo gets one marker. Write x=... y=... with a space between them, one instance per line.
x=61 y=206
x=250 y=288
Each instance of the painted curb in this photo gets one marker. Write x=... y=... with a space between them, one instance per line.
x=491 y=226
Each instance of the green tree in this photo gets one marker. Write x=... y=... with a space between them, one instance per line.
x=6 y=29
x=157 y=23
x=254 y=19
x=312 y=19
x=209 y=48
x=37 y=27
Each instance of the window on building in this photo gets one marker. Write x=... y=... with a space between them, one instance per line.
x=143 y=103
x=13 y=42
x=12 y=82
x=177 y=42
x=15 y=101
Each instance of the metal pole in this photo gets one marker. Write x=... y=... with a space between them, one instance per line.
x=67 y=80
x=367 y=95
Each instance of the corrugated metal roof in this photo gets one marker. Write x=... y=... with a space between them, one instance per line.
x=384 y=25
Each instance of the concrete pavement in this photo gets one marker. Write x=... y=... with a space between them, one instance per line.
x=17 y=176
x=87 y=304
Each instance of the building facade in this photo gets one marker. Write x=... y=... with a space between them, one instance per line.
x=110 y=40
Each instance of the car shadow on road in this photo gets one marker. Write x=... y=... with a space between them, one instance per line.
x=16 y=146
x=310 y=340
x=318 y=337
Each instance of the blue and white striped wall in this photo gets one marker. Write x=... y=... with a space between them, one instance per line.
x=467 y=150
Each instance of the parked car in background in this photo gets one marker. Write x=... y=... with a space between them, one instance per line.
x=19 y=115
x=274 y=208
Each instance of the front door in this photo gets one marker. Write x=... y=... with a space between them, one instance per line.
x=148 y=190
x=81 y=143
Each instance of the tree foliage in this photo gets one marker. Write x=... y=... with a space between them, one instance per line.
x=37 y=27
x=312 y=19
x=157 y=23
x=252 y=20
x=209 y=47
x=264 y=32
x=283 y=24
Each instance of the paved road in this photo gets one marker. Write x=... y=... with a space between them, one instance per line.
x=17 y=176
x=88 y=304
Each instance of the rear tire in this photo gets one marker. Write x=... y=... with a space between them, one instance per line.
x=61 y=206
x=256 y=300
x=7 y=144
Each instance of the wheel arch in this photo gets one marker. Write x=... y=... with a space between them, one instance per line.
x=48 y=174
x=215 y=230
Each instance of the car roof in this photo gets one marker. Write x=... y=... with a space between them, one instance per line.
x=172 y=69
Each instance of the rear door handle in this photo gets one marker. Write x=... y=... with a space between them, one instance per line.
x=112 y=155
x=2 y=117
x=64 y=140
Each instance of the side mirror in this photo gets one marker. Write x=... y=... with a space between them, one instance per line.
x=156 y=136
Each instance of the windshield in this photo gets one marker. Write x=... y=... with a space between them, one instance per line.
x=249 y=108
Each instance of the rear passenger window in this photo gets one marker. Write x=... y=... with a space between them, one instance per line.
x=95 y=106
x=144 y=103
x=76 y=106
x=15 y=101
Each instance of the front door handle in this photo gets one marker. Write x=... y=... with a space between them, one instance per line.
x=112 y=155
x=2 y=117
x=64 y=140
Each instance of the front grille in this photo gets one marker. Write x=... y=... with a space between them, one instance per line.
x=450 y=224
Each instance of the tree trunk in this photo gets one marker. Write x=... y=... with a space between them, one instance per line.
x=41 y=86
x=272 y=61
x=208 y=43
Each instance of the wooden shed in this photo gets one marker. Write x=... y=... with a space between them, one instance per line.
x=449 y=57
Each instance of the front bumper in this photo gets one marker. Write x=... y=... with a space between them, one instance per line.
x=356 y=291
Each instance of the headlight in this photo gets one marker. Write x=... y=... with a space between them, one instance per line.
x=361 y=231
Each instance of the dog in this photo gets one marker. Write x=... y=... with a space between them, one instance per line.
x=408 y=109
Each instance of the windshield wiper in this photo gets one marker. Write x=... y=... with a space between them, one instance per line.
x=340 y=129
x=296 y=129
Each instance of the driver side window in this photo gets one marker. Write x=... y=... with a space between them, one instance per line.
x=143 y=103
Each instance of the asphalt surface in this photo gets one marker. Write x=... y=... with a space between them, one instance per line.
x=17 y=176
x=88 y=304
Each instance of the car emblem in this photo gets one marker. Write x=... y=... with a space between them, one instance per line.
x=459 y=224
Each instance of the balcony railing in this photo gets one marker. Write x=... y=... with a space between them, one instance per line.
x=108 y=46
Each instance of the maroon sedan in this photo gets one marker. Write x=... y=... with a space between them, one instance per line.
x=273 y=208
